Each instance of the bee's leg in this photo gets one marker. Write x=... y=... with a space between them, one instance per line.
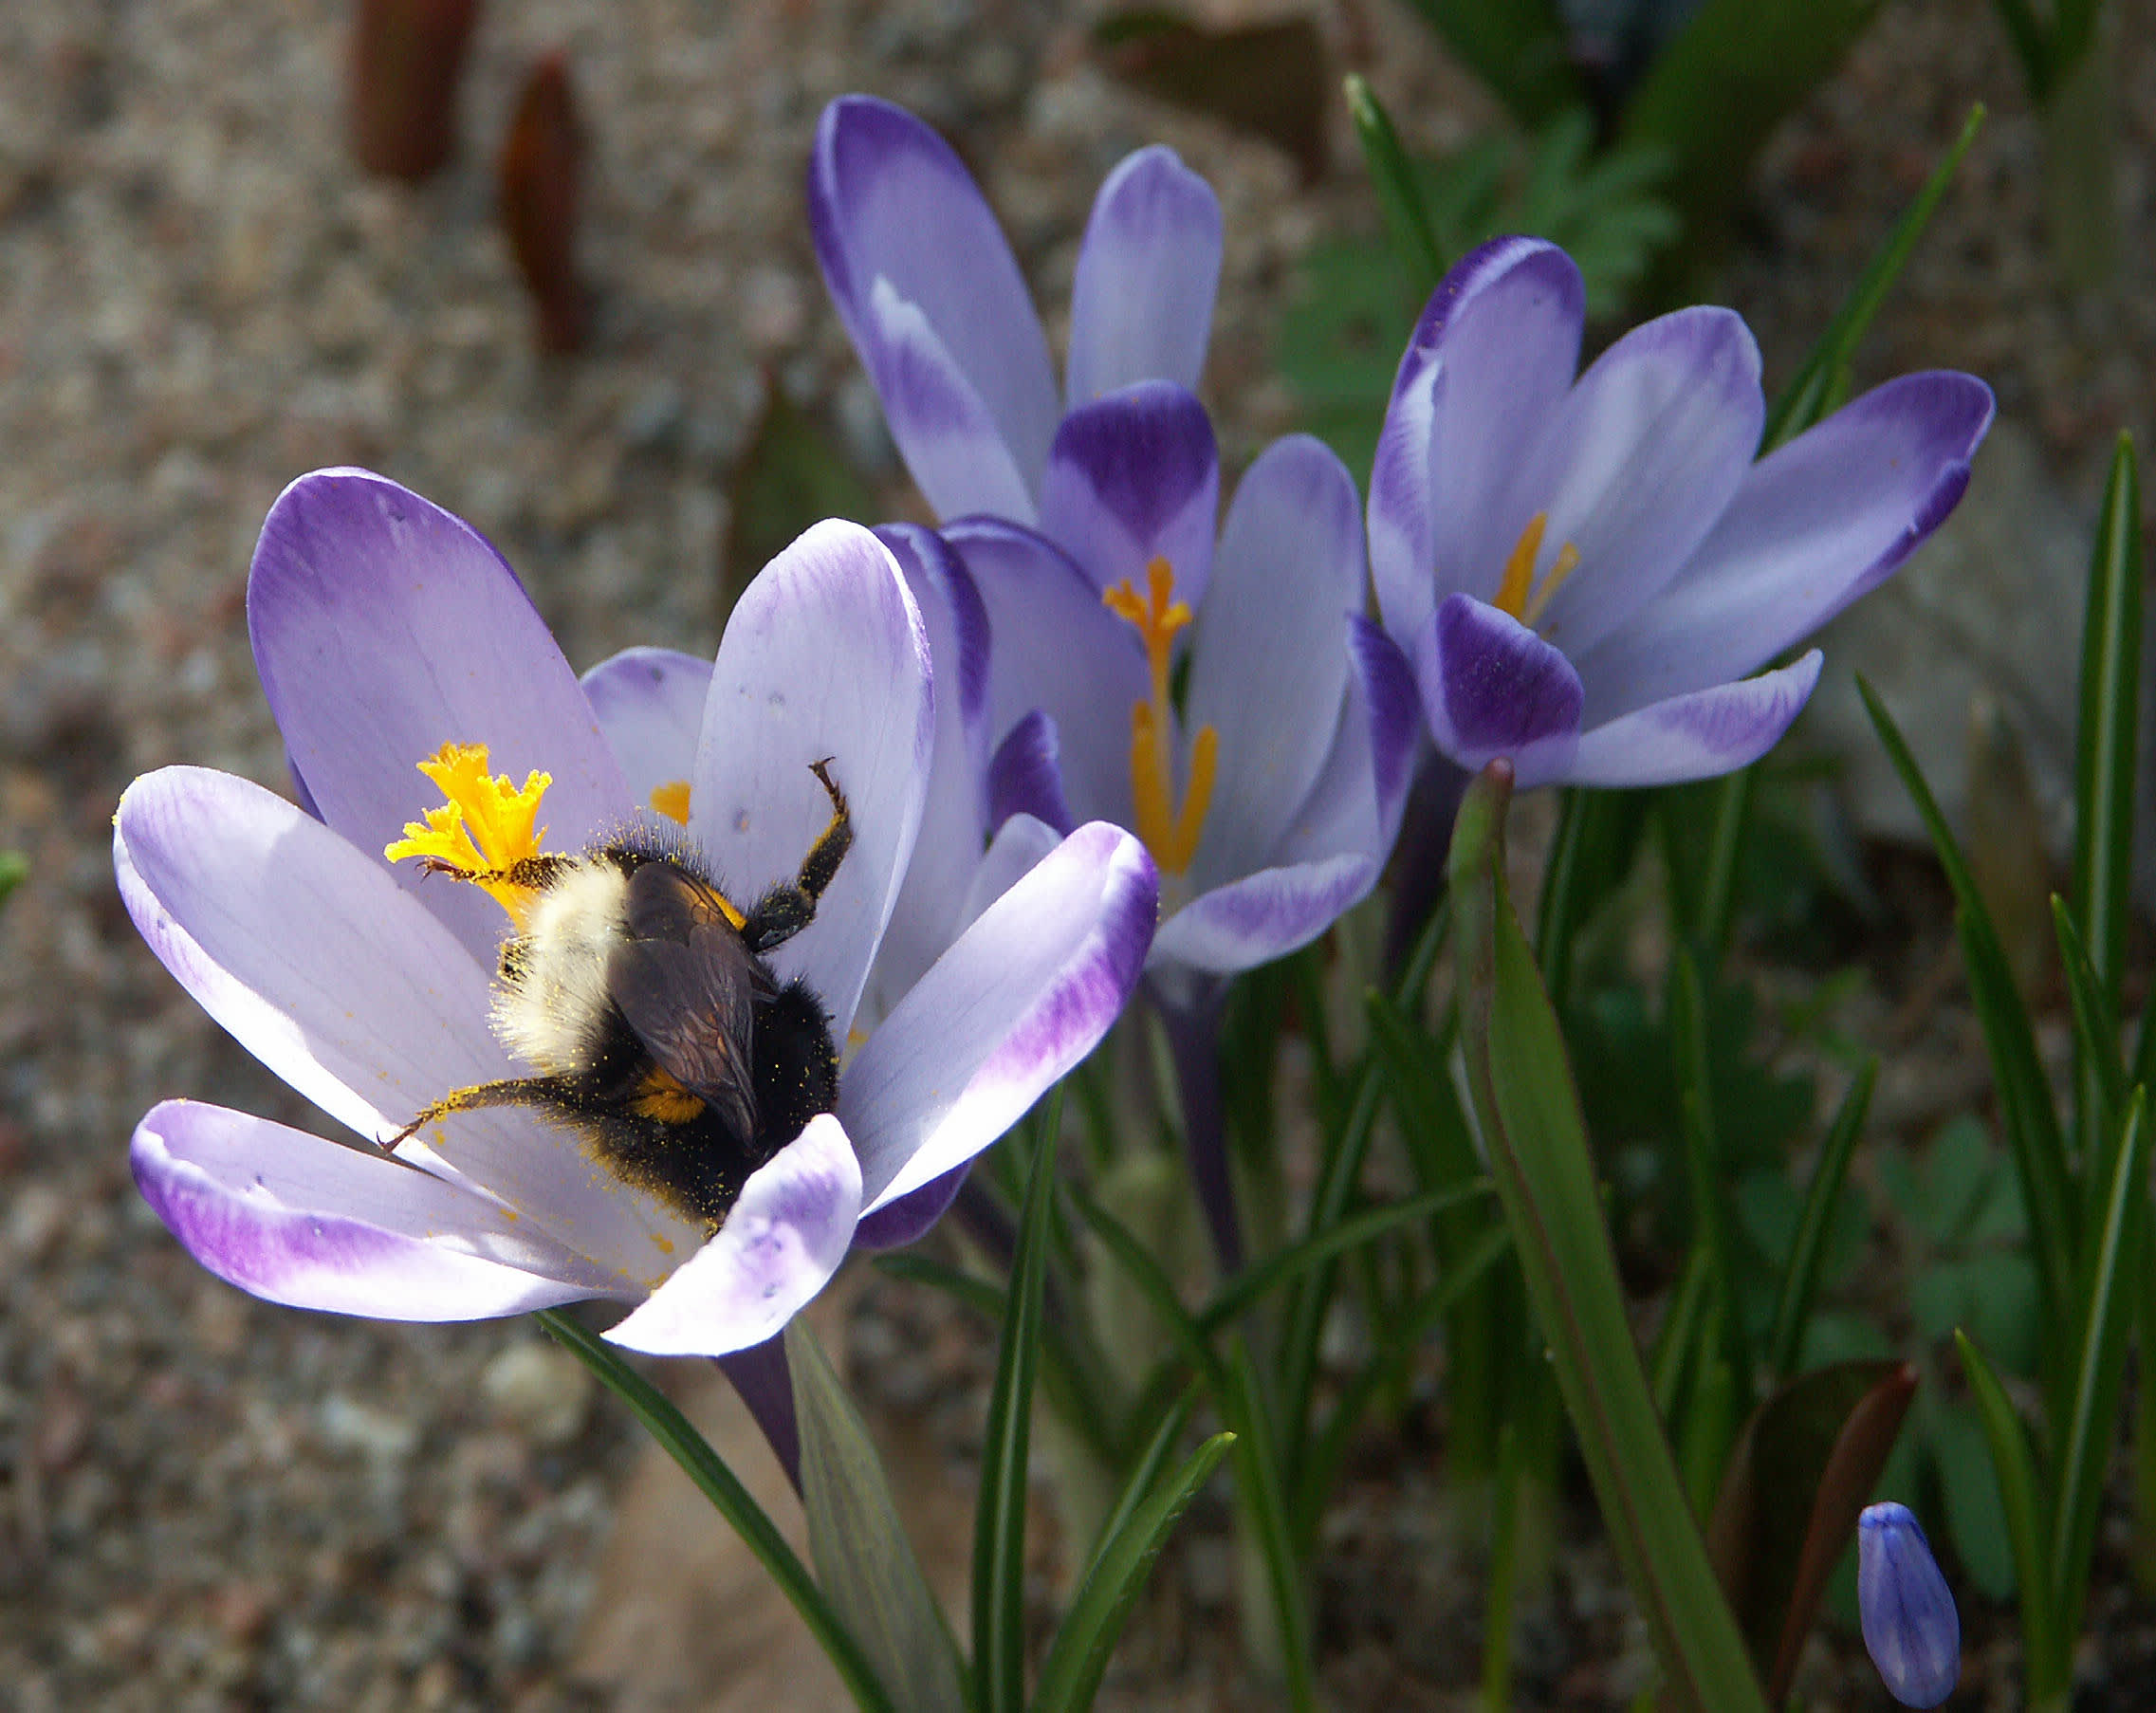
x=533 y=874
x=790 y=906
x=551 y=1092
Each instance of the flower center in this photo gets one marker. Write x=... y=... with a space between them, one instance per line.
x=484 y=831
x=1516 y=591
x=1169 y=832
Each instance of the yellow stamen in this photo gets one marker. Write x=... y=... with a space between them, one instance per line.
x=1517 y=593
x=1170 y=834
x=484 y=829
x=672 y=800
x=1519 y=569
x=1561 y=568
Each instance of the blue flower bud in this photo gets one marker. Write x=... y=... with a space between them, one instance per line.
x=1910 y=1626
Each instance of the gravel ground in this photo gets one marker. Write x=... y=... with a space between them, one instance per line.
x=209 y=1503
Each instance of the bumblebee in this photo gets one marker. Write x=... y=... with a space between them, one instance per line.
x=661 y=1035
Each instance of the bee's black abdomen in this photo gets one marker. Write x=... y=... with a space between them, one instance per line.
x=795 y=1066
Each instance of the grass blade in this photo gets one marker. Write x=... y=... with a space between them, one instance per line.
x=998 y=1526
x=2104 y=773
x=2022 y=1501
x=2099 y=1370
x=1406 y=219
x=2024 y=1093
x=1265 y=1514
x=1809 y=396
x=718 y=1484
x=1071 y=1674
x=1800 y=1279
x=1531 y=1124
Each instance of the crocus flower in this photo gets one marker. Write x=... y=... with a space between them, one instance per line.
x=1268 y=793
x=1910 y=1626
x=933 y=300
x=1583 y=572
x=389 y=634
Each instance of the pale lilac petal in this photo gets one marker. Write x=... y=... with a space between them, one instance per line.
x=313 y=1225
x=950 y=438
x=896 y=1224
x=934 y=302
x=954 y=814
x=1132 y=477
x=1025 y=993
x=1493 y=353
x=1354 y=808
x=384 y=627
x=1020 y=846
x=1491 y=686
x=1263 y=917
x=306 y=952
x=649 y=704
x=1057 y=648
x=1697 y=735
x=1817 y=523
x=1634 y=468
x=825 y=658
x=1026 y=778
x=1268 y=654
x=781 y=1244
x=1142 y=302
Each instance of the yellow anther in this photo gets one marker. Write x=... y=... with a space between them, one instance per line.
x=484 y=829
x=672 y=800
x=1170 y=834
x=1519 y=569
x=1517 y=593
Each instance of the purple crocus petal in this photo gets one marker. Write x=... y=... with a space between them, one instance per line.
x=1355 y=807
x=1142 y=303
x=300 y=795
x=1493 y=353
x=1911 y=1629
x=1026 y=778
x=314 y=1225
x=1697 y=735
x=1060 y=650
x=1817 y=523
x=1268 y=662
x=954 y=814
x=649 y=704
x=1491 y=686
x=1634 y=467
x=896 y=1224
x=1023 y=996
x=384 y=627
x=781 y=1242
x=1261 y=916
x=306 y=952
x=1132 y=477
x=824 y=657
x=1020 y=846
x=932 y=298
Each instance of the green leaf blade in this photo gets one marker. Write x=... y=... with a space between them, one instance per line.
x=1531 y=1126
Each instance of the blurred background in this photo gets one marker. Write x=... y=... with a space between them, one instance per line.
x=587 y=318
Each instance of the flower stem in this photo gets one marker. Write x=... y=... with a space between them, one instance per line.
x=707 y=1469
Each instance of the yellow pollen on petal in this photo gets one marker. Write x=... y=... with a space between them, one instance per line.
x=482 y=830
x=1517 y=591
x=672 y=800
x=1170 y=834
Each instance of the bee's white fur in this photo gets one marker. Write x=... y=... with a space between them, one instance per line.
x=551 y=1014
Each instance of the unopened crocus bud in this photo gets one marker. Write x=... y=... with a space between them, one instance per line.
x=1910 y=1626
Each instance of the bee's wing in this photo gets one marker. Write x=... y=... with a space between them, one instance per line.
x=686 y=983
x=689 y=1004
